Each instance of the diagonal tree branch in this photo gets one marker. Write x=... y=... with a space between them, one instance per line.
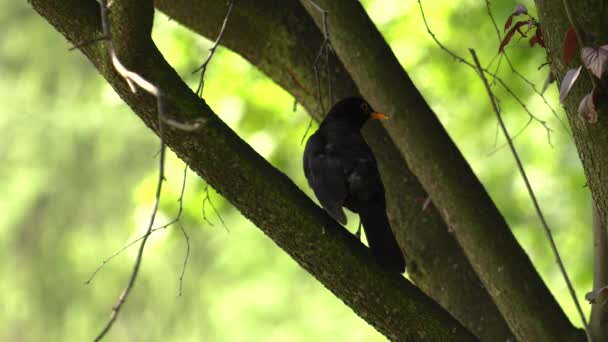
x=298 y=226
x=290 y=62
x=464 y=204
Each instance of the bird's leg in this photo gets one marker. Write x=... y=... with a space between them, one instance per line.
x=358 y=232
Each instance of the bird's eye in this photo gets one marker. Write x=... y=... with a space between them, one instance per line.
x=365 y=107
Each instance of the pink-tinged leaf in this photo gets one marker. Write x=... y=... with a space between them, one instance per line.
x=550 y=79
x=519 y=10
x=568 y=82
x=593 y=296
x=595 y=59
x=509 y=35
x=586 y=109
x=569 y=46
x=509 y=22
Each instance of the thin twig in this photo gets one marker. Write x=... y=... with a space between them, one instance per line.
x=132 y=80
x=307 y=130
x=176 y=220
x=207 y=199
x=125 y=293
x=485 y=70
x=522 y=77
x=521 y=130
x=187 y=239
x=203 y=67
x=530 y=190
x=324 y=51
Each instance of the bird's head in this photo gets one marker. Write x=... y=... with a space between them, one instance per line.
x=354 y=110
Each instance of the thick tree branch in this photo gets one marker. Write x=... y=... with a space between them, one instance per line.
x=387 y=301
x=464 y=204
x=435 y=261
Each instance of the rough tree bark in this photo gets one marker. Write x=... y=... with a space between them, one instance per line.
x=388 y=302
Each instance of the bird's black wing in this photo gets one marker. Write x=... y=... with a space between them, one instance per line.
x=366 y=197
x=325 y=174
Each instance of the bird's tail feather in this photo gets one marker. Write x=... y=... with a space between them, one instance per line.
x=381 y=239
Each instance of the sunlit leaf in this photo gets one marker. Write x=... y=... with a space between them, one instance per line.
x=568 y=82
x=519 y=9
x=595 y=59
x=587 y=110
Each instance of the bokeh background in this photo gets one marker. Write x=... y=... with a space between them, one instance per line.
x=78 y=172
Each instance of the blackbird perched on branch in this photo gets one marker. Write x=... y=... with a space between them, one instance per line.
x=342 y=171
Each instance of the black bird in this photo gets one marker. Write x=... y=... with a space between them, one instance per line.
x=342 y=171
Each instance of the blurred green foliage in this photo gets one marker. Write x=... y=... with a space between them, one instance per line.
x=79 y=172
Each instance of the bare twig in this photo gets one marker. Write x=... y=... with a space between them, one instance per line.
x=187 y=239
x=207 y=199
x=530 y=190
x=519 y=132
x=485 y=70
x=203 y=67
x=307 y=130
x=521 y=76
x=176 y=220
x=324 y=51
x=133 y=79
x=125 y=293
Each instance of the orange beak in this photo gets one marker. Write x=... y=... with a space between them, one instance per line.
x=378 y=116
